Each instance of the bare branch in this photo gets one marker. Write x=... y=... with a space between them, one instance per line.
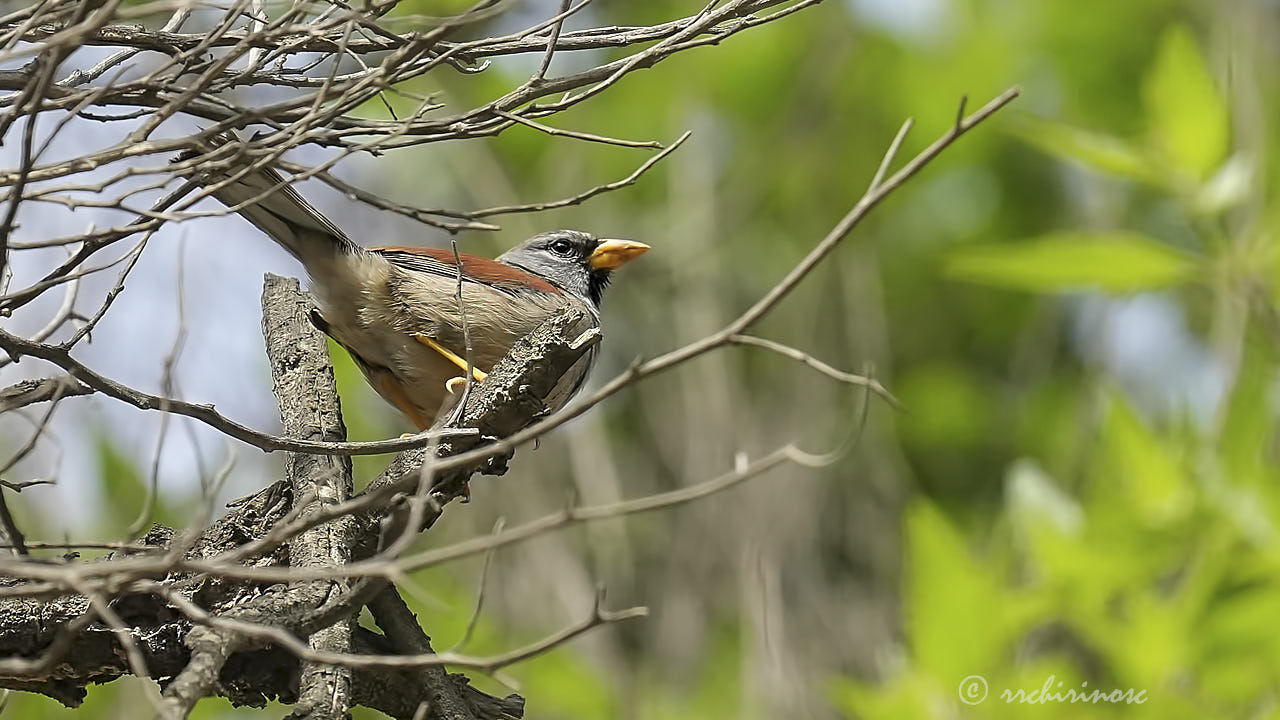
x=29 y=392
x=586 y=194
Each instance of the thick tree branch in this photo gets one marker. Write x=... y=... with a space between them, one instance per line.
x=308 y=397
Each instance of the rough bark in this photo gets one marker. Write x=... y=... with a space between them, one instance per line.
x=309 y=409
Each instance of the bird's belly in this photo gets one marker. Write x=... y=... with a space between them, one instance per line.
x=411 y=375
x=385 y=337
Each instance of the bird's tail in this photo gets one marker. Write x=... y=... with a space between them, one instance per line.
x=266 y=199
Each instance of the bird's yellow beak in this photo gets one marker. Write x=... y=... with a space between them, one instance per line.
x=611 y=254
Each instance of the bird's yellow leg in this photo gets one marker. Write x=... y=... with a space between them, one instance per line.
x=476 y=372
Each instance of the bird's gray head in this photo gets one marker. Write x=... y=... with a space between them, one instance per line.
x=575 y=261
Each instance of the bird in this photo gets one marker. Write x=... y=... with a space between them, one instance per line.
x=395 y=309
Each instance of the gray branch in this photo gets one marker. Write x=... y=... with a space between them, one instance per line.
x=29 y=392
x=309 y=409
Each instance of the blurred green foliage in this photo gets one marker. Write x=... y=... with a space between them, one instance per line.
x=1147 y=559
x=1115 y=262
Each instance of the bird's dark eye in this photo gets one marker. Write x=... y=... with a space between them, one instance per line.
x=562 y=247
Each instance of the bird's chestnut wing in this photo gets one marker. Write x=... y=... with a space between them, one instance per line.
x=475 y=269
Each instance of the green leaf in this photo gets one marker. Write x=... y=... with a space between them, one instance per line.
x=1105 y=153
x=1034 y=500
x=1228 y=187
x=1186 y=115
x=1147 y=467
x=1113 y=262
x=952 y=599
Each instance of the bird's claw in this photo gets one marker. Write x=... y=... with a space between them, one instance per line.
x=476 y=373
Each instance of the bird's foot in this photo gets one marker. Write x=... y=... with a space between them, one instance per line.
x=452 y=357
